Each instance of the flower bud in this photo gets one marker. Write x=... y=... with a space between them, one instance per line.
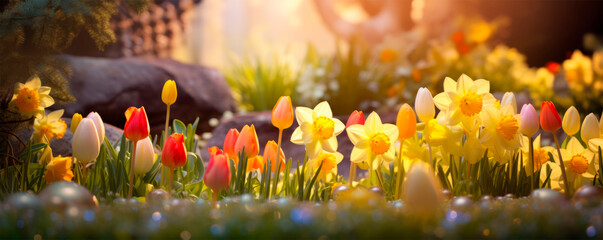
x=424 y=105
x=529 y=120
x=229 y=145
x=173 y=154
x=137 y=125
x=85 y=144
x=217 y=173
x=75 y=120
x=100 y=126
x=270 y=155
x=248 y=142
x=550 y=120
x=406 y=122
x=571 y=121
x=169 y=92
x=590 y=128
x=145 y=156
x=282 y=113
x=357 y=117
x=509 y=98
x=422 y=191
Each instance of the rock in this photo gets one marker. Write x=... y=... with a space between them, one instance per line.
x=62 y=195
x=266 y=131
x=588 y=196
x=337 y=191
x=462 y=203
x=110 y=86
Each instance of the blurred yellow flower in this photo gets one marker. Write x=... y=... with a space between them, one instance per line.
x=479 y=31
x=49 y=126
x=59 y=168
x=31 y=98
x=578 y=163
x=463 y=100
x=317 y=129
x=373 y=142
x=329 y=163
x=541 y=154
x=578 y=69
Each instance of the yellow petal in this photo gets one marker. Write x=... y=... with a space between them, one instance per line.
x=303 y=114
x=574 y=147
x=329 y=145
x=339 y=127
x=391 y=131
x=356 y=133
x=373 y=124
x=323 y=109
x=465 y=85
x=313 y=149
x=359 y=155
x=442 y=101
x=483 y=86
x=297 y=136
x=449 y=85
x=307 y=134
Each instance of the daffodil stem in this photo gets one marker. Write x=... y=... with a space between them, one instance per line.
x=371 y=172
x=567 y=193
x=532 y=163
x=352 y=173
x=132 y=159
x=277 y=167
x=165 y=136
x=400 y=173
x=430 y=156
x=379 y=177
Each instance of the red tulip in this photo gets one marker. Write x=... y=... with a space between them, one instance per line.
x=217 y=173
x=137 y=125
x=550 y=120
x=174 y=151
x=229 y=144
x=357 y=117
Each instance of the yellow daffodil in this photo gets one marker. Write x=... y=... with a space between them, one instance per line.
x=463 y=100
x=49 y=126
x=541 y=154
x=501 y=127
x=329 y=163
x=373 y=142
x=317 y=129
x=59 y=168
x=31 y=98
x=578 y=69
x=578 y=163
x=473 y=150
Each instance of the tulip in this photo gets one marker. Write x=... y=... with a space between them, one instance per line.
x=169 y=92
x=75 y=120
x=550 y=120
x=571 y=121
x=85 y=144
x=217 y=173
x=145 y=156
x=173 y=155
x=424 y=105
x=270 y=155
x=247 y=142
x=422 y=191
x=529 y=120
x=229 y=145
x=407 y=126
x=137 y=125
x=59 y=168
x=357 y=117
x=282 y=113
x=100 y=126
x=509 y=98
x=590 y=128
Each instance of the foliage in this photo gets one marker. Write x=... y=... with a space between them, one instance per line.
x=257 y=85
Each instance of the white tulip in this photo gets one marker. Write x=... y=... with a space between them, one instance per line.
x=424 y=105
x=85 y=144
x=590 y=128
x=509 y=98
x=145 y=156
x=100 y=126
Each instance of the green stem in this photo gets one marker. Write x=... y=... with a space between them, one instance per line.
x=165 y=136
x=400 y=172
x=278 y=165
x=567 y=193
x=132 y=162
x=352 y=173
x=532 y=164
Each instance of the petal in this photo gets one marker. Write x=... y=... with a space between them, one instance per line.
x=574 y=147
x=313 y=149
x=307 y=134
x=483 y=86
x=373 y=124
x=465 y=85
x=339 y=127
x=391 y=131
x=595 y=143
x=44 y=90
x=359 y=155
x=488 y=99
x=329 y=145
x=303 y=114
x=34 y=83
x=55 y=115
x=356 y=133
x=455 y=117
x=442 y=101
x=449 y=85
x=323 y=109
x=338 y=157
x=297 y=136
x=390 y=155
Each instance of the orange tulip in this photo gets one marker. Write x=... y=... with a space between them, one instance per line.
x=357 y=117
x=270 y=154
x=255 y=163
x=137 y=125
x=217 y=173
x=173 y=154
x=282 y=113
x=406 y=122
x=550 y=120
x=229 y=145
x=248 y=142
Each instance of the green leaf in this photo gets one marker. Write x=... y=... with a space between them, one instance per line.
x=179 y=127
